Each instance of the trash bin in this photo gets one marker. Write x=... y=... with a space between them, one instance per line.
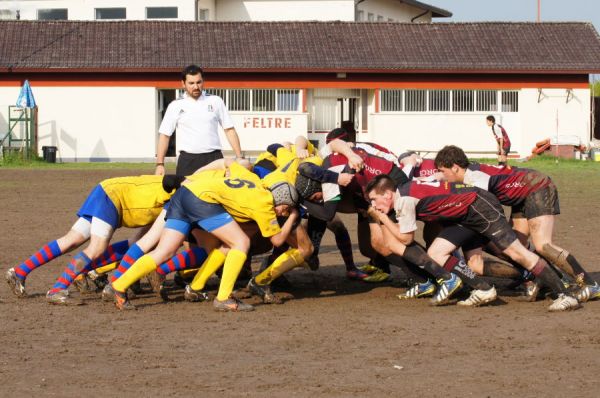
x=49 y=153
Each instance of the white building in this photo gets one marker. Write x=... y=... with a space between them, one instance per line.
x=223 y=10
x=101 y=87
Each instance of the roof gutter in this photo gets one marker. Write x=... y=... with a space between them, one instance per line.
x=420 y=15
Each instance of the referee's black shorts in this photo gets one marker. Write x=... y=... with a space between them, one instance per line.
x=188 y=163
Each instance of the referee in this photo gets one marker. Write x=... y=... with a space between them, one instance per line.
x=196 y=116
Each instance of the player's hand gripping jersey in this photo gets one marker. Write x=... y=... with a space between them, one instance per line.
x=241 y=194
x=432 y=201
x=511 y=185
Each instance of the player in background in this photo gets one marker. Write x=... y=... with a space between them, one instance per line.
x=501 y=137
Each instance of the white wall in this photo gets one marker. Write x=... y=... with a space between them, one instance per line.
x=84 y=10
x=98 y=123
x=258 y=130
x=393 y=9
x=538 y=119
x=534 y=122
x=277 y=10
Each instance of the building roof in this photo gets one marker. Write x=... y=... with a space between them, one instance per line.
x=492 y=47
x=436 y=12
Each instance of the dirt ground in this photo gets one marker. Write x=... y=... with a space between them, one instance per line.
x=333 y=337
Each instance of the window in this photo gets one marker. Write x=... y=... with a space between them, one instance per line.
x=380 y=18
x=391 y=100
x=52 y=14
x=439 y=100
x=371 y=17
x=510 y=101
x=462 y=100
x=203 y=14
x=7 y=14
x=484 y=101
x=360 y=15
x=415 y=100
x=263 y=100
x=111 y=13
x=487 y=100
x=288 y=100
x=161 y=12
x=259 y=100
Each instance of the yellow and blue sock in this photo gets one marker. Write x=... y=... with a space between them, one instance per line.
x=287 y=261
x=114 y=252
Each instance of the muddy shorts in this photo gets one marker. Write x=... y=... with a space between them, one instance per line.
x=542 y=202
x=461 y=236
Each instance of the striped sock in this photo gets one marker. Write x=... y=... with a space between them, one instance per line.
x=77 y=266
x=132 y=255
x=114 y=252
x=344 y=243
x=41 y=257
x=186 y=259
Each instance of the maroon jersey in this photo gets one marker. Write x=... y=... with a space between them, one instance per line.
x=432 y=201
x=373 y=166
x=505 y=139
x=511 y=185
x=425 y=169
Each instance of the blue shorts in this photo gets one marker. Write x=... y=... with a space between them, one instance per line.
x=99 y=205
x=186 y=209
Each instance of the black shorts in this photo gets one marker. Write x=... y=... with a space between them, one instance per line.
x=188 y=163
x=461 y=236
x=542 y=202
x=486 y=216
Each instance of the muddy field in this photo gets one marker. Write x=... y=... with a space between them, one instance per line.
x=332 y=337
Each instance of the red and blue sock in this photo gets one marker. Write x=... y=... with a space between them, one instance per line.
x=78 y=265
x=130 y=257
x=114 y=252
x=184 y=260
x=41 y=257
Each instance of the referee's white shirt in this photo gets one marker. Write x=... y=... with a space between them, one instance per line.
x=197 y=122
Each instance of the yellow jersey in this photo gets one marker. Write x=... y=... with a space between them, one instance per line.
x=139 y=200
x=241 y=194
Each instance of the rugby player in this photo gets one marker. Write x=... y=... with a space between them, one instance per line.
x=533 y=198
x=470 y=206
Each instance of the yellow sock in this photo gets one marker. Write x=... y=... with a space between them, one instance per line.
x=106 y=268
x=212 y=263
x=142 y=267
x=233 y=265
x=288 y=260
x=184 y=273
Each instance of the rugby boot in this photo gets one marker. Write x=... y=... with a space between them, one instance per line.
x=368 y=268
x=356 y=275
x=61 y=297
x=446 y=287
x=108 y=293
x=264 y=292
x=232 y=304
x=588 y=292
x=84 y=284
x=479 y=297
x=532 y=291
x=377 y=276
x=163 y=293
x=100 y=280
x=16 y=284
x=564 y=303
x=122 y=302
x=194 y=295
x=418 y=290
x=155 y=279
